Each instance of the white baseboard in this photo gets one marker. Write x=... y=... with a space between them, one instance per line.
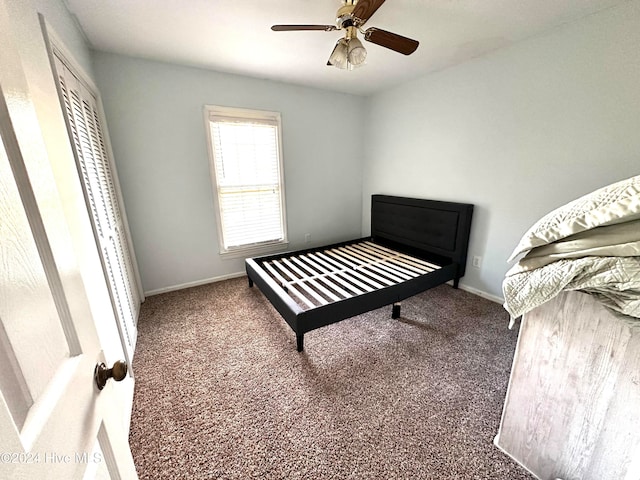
x=480 y=293
x=229 y=276
x=197 y=283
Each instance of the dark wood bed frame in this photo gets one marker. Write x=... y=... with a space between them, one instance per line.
x=417 y=232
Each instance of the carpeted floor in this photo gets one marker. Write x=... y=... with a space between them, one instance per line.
x=221 y=391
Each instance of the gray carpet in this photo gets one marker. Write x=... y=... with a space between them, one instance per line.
x=221 y=391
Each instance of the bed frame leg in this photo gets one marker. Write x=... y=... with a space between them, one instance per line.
x=455 y=282
x=250 y=282
x=300 y=341
x=395 y=311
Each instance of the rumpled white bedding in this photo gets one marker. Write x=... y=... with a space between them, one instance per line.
x=615 y=281
x=620 y=240
x=591 y=244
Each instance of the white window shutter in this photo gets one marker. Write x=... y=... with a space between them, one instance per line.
x=89 y=146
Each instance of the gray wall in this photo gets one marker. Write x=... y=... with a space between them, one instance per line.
x=518 y=132
x=155 y=117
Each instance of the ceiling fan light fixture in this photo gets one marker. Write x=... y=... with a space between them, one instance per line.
x=348 y=54
x=338 y=57
x=356 y=53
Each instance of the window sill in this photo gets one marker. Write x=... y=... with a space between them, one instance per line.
x=254 y=251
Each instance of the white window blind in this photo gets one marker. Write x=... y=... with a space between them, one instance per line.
x=88 y=142
x=248 y=177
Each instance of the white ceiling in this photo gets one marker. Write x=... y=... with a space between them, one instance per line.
x=234 y=35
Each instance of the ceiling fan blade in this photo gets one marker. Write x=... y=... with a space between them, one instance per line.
x=287 y=28
x=390 y=40
x=364 y=9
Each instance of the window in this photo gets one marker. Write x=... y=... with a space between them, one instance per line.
x=246 y=166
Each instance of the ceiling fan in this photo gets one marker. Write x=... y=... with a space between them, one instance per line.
x=349 y=51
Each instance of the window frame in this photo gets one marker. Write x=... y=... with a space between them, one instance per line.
x=245 y=114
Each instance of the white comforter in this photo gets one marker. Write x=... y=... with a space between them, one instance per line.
x=615 y=281
x=591 y=244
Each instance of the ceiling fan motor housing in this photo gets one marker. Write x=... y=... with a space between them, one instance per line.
x=344 y=18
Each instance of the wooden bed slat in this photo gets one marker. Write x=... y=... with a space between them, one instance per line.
x=373 y=270
x=335 y=271
x=385 y=263
x=367 y=278
x=345 y=274
x=288 y=288
x=313 y=280
x=394 y=260
x=304 y=286
x=329 y=277
x=349 y=274
x=404 y=257
x=431 y=266
x=324 y=276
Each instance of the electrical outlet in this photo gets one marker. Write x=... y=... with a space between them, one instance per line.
x=477 y=260
x=307 y=237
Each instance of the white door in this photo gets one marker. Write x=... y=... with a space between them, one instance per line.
x=54 y=421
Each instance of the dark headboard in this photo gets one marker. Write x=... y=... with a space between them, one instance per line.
x=430 y=226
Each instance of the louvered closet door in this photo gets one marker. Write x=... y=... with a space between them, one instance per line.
x=91 y=153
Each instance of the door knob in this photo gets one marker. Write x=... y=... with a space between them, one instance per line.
x=101 y=374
